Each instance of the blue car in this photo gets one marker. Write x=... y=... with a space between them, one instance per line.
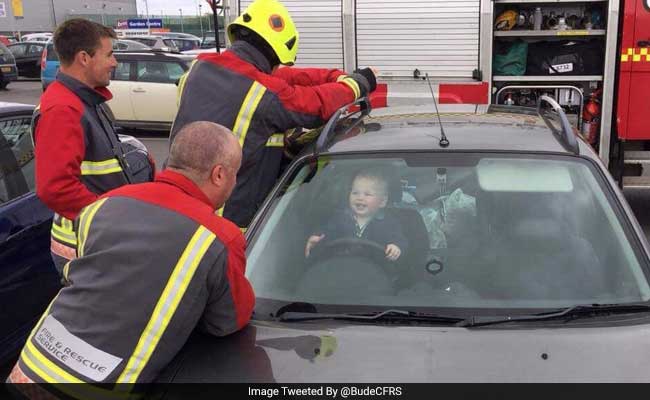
x=49 y=65
x=28 y=279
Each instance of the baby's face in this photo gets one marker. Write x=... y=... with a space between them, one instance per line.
x=366 y=197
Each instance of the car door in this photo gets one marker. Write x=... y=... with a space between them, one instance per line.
x=33 y=64
x=19 y=51
x=28 y=280
x=154 y=92
x=121 y=104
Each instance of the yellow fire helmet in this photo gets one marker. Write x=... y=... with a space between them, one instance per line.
x=271 y=20
x=506 y=20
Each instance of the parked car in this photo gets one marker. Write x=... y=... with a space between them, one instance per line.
x=208 y=40
x=8 y=69
x=37 y=37
x=7 y=40
x=144 y=89
x=523 y=261
x=182 y=41
x=49 y=65
x=157 y=43
x=29 y=280
x=129 y=45
x=28 y=58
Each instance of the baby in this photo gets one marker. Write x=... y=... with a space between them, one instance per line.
x=364 y=218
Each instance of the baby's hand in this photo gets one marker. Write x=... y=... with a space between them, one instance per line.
x=392 y=252
x=311 y=242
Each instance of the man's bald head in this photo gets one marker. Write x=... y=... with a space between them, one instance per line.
x=199 y=146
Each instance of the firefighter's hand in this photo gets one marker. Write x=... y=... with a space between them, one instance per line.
x=311 y=242
x=392 y=252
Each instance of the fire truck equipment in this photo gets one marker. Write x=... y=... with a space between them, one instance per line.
x=506 y=21
x=591 y=118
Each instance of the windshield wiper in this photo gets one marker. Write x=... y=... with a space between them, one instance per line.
x=573 y=312
x=388 y=315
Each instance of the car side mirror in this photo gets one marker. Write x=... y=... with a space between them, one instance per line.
x=177 y=81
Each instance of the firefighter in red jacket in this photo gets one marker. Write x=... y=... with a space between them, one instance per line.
x=244 y=89
x=76 y=149
x=154 y=263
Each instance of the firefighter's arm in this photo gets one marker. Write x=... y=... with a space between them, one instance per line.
x=307 y=76
x=59 y=152
x=231 y=299
x=311 y=106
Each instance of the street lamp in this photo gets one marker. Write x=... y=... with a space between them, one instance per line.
x=103 y=13
x=181 y=11
x=201 y=20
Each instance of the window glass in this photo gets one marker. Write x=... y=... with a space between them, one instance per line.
x=18 y=49
x=148 y=42
x=16 y=158
x=158 y=71
x=475 y=231
x=175 y=71
x=35 y=49
x=122 y=71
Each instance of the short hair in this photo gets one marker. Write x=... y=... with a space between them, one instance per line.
x=375 y=176
x=199 y=146
x=77 y=34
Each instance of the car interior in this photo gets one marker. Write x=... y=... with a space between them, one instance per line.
x=473 y=241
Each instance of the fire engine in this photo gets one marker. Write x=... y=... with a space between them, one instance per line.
x=593 y=56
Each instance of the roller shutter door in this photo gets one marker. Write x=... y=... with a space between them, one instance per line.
x=440 y=37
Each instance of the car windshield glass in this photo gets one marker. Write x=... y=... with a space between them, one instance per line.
x=472 y=231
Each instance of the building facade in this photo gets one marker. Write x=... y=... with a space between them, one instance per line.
x=45 y=15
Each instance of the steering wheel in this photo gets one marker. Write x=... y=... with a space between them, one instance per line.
x=349 y=247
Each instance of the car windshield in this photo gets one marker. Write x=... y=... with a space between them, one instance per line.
x=475 y=231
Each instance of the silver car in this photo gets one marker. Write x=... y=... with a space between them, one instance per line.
x=520 y=261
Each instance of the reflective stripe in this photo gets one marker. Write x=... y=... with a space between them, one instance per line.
x=52 y=373
x=100 y=167
x=64 y=235
x=66 y=269
x=84 y=223
x=276 y=140
x=45 y=368
x=635 y=55
x=219 y=212
x=167 y=304
x=63 y=230
x=351 y=83
x=243 y=121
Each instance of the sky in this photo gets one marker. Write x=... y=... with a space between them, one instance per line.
x=170 y=7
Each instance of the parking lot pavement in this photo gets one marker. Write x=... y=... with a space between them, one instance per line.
x=28 y=92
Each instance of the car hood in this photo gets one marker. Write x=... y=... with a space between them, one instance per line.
x=338 y=352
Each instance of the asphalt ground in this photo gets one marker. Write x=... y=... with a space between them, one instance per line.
x=29 y=92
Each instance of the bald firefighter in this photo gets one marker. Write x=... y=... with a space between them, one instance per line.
x=154 y=262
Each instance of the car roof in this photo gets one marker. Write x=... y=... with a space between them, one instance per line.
x=135 y=54
x=482 y=130
x=10 y=108
x=28 y=42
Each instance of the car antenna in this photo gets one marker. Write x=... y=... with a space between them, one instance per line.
x=443 y=138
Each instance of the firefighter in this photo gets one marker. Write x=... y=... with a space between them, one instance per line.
x=75 y=144
x=244 y=89
x=167 y=265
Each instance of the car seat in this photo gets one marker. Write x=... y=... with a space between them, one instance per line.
x=538 y=255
